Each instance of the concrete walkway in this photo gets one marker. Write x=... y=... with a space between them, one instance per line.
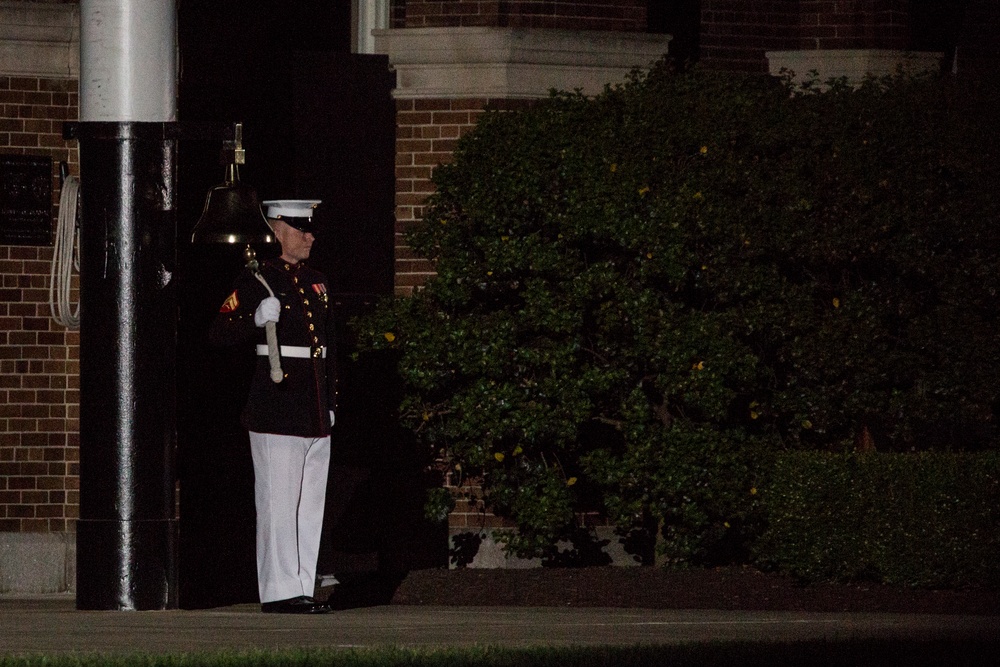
x=51 y=625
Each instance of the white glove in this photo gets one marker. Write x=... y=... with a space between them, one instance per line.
x=332 y=418
x=268 y=311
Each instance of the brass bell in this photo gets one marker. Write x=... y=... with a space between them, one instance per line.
x=232 y=211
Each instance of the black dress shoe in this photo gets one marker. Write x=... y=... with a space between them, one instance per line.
x=300 y=605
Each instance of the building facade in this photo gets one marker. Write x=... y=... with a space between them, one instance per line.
x=39 y=360
x=453 y=59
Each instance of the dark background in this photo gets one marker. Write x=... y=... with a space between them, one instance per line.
x=318 y=123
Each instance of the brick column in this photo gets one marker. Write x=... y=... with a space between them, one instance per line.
x=735 y=34
x=427 y=131
x=447 y=77
x=851 y=40
x=39 y=359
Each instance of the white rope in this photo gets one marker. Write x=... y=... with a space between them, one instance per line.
x=271 y=333
x=65 y=257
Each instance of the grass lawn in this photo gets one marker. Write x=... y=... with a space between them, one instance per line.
x=811 y=653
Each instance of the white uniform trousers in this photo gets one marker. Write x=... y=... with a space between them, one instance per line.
x=290 y=475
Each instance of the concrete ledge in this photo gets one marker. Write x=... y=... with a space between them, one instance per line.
x=852 y=64
x=39 y=39
x=37 y=563
x=479 y=549
x=512 y=63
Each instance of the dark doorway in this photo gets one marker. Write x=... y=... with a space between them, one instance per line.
x=681 y=19
x=318 y=122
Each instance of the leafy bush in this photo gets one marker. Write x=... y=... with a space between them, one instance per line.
x=926 y=519
x=640 y=297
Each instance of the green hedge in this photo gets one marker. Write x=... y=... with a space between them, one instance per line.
x=641 y=297
x=928 y=519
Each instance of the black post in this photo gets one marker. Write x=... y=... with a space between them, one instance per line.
x=127 y=531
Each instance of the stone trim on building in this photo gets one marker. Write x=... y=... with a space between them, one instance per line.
x=487 y=62
x=40 y=40
x=851 y=64
x=37 y=563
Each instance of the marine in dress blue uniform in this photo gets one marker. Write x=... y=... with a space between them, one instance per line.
x=290 y=420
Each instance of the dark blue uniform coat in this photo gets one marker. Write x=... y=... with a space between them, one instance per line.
x=299 y=405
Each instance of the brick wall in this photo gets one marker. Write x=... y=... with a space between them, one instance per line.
x=39 y=360
x=735 y=33
x=470 y=514
x=426 y=134
x=623 y=15
x=854 y=24
x=397 y=14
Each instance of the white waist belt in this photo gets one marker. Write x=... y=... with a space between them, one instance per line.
x=292 y=351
